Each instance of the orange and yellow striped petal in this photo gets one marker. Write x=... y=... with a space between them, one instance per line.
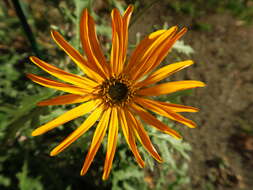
x=97 y=139
x=164 y=72
x=96 y=58
x=65 y=99
x=150 y=55
x=142 y=136
x=164 y=111
x=119 y=39
x=117 y=42
x=87 y=124
x=112 y=143
x=162 y=52
x=126 y=19
x=76 y=57
x=130 y=138
x=170 y=87
x=63 y=75
x=115 y=56
x=178 y=107
x=57 y=85
x=68 y=116
x=151 y=120
x=141 y=48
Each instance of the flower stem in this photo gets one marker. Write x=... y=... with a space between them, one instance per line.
x=26 y=27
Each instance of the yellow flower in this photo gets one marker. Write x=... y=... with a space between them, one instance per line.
x=115 y=92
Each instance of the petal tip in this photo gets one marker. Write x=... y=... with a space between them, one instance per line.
x=32 y=58
x=196 y=110
x=174 y=27
x=85 y=12
x=105 y=177
x=190 y=62
x=54 y=34
x=130 y=7
x=35 y=133
x=175 y=135
x=202 y=84
x=82 y=172
x=54 y=152
x=160 y=160
x=31 y=76
x=28 y=75
x=115 y=13
x=179 y=137
x=40 y=104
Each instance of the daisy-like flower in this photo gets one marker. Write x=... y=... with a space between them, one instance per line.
x=116 y=92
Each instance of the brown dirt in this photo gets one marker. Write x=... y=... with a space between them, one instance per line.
x=222 y=152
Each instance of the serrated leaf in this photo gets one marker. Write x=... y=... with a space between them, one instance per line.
x=181 y=47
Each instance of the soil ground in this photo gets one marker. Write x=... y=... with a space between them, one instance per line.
x=222 y=151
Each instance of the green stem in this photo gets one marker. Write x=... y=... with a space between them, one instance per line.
x=26 y=27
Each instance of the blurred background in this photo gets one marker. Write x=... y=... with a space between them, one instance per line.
x=217 y=155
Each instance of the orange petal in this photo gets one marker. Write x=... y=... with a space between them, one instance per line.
x=141 y=48
x=117 y=42
x=60 y=74
x=159 y=53
x=178 y=107
x=129 y=136
x=170 y=87
x=96 y=141
x=164 y=50
x=149 y=55
x=115 y=55
x=126 y=19
x=151 y=120
x=111 y=144
x=57 y=85
x=90 y=44
x=142 y=136
x=68 y=116
x=164 y=72
x=87 y=124
x=65 y=99
x=76 y=56
x=164 y=111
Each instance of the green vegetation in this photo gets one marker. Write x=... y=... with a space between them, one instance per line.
x=243 y=9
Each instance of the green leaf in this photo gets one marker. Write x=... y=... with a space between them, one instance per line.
x=4 y=181
x=26 y=182
x=27 y=111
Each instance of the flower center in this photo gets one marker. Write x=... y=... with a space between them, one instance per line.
x=118 y=92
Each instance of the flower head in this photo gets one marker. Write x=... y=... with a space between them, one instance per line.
x=115 y=92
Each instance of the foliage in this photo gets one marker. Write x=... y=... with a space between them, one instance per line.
x=27 y=183
x=243 y=9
